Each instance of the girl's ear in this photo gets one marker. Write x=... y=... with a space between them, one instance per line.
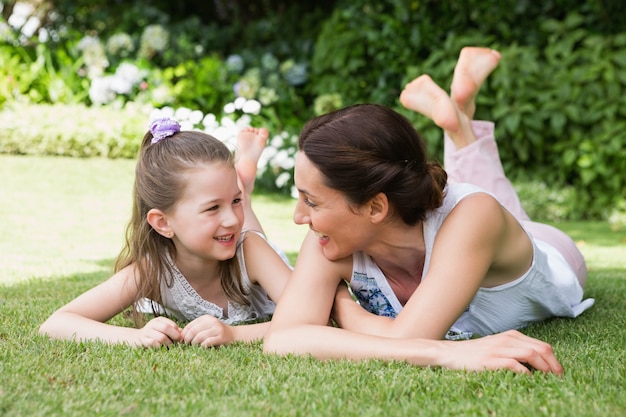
x=378 y=208
x=157 y=219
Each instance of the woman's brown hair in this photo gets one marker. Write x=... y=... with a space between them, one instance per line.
x=366 y=149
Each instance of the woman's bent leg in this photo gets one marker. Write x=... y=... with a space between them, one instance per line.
x=479 y=163
x=562 y=243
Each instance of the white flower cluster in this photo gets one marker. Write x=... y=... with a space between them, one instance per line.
x=245 y=105
x=104 y=89
x=120 y=44
x=225 y=129
x=154 y=39
x=94 y=56
x=278 y=155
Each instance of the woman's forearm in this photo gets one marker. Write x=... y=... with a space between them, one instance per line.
x=510 y=350
x=250 y=332
x=325 y=342
x=351 y=316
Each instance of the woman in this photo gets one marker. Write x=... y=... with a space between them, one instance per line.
x=426 y=255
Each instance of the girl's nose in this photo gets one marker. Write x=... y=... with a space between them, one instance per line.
x=230 y=218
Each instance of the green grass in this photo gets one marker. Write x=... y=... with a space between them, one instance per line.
x=61 y=225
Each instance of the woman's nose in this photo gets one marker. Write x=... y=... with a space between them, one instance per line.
x=300 y=214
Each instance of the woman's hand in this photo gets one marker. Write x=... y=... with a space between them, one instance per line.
x=159 y=331
x=207 y=331
x=509 y=350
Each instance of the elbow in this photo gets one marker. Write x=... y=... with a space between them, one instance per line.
x=269 y=342
x=52 y=326
x=275 y=342
x=45 y=329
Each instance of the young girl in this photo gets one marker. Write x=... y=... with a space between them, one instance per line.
x=424 y=256
x=189 y=253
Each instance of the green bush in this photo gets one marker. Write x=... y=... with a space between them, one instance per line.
x=545 y=203
x=556 y=97
x=204 y=84
x=72 y=130
x=558 y=111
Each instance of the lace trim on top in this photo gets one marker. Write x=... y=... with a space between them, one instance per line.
x=191 y=305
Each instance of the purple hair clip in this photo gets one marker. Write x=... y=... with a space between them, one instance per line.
x=163 y=128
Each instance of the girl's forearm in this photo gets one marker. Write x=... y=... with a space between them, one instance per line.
x=70 y=326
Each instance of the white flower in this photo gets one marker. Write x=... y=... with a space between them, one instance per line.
x=155 y=38
x=167 y=111
x=182 y=113
x=277 y=141
x=210 y=121
x=229 y=108
x=266 y=156
x=282 y=179
x=129 y=72
x=186 y=125
x=100 y=91
x=240 y=102
x=6 y=33
x=120 y=85
x=120 y=44
x=283 y=160
x=88 y=42
x=93 y=55
x=234 y=63
x=227 y=121
x=252 y=107
x=195 y=117
x=244 y=121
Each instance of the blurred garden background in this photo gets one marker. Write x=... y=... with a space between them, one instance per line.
x=81 y=78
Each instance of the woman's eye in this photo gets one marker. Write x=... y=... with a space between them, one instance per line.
x=308 y=202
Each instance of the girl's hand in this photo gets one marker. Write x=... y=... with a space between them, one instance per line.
x=207 y=331
x=159 y=331
x=509 y=350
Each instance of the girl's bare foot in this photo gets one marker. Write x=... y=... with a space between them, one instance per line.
x=424 y=96
x=250 y=144
x=471 y=70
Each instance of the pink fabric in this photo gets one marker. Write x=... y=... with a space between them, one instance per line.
x=479 y=164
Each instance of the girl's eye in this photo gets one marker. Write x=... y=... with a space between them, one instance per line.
x=213 y=208
x=237 y=201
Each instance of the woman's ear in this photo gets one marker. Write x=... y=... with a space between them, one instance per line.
x=378 y=208
x=157 y=219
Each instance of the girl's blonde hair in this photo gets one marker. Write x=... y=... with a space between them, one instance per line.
x=159 y=183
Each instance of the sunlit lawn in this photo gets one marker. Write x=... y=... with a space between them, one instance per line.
x=61 y=225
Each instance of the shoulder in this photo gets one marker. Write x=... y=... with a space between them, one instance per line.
x=252 y=241
x=479 y=215
x=259 y=258
x=454 y=193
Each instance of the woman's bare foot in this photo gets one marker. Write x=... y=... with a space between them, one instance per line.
x=424 y=96
x=250 y=144
x=471 y=70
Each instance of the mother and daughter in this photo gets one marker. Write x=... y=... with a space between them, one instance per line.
x=428 y=254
